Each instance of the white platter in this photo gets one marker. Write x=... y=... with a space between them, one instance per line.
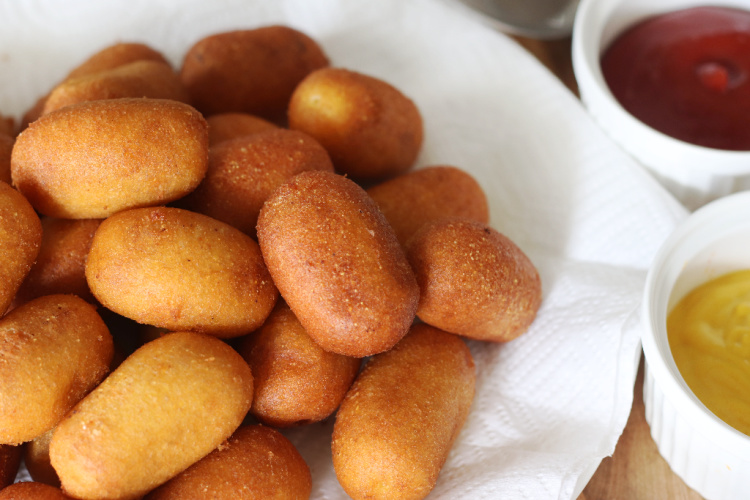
x=549 y=405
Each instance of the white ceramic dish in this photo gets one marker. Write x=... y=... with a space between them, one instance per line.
x=709 y=455
x=694 y=174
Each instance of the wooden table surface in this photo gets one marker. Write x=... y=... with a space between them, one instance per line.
x=635 y=471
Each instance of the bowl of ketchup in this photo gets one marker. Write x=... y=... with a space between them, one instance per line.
x=670 y=82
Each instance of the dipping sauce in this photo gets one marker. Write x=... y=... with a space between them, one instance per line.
x=709 y=335
x=687 y=74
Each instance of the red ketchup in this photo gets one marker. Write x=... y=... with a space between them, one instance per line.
x=687 y=74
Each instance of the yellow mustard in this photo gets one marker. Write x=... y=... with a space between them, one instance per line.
x=709 y=335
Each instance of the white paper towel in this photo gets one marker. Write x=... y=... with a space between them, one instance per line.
x=549 y=405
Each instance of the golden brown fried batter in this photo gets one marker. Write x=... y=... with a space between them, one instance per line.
x=53 y=351
x=145 y=78
x=251 y=71
x=90 y=160
x=415 y=198
x=243 y=172
x=256 y=463
x=180 y=270
x=61 y=263
x=105 y=59
x=20 y=239
x=296 y=381
x=474 y=281
x=6 y=147
x=164 y=408
x=338 y=264
x=36 y=460
x=370 y=128
x=32 y=491
x=10 y=460
x=225 y=126
x=397 y=424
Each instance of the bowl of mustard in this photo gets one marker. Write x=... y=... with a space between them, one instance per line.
x=696 y=342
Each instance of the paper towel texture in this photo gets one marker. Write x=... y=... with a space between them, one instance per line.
x=549 y=405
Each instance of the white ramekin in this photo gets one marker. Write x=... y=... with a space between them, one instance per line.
x=709 y=455
x=694 y=174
